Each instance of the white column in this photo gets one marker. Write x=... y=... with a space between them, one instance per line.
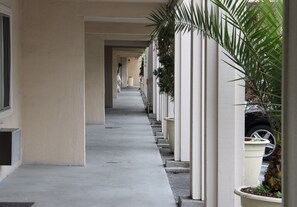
x=124 y=72
x=196 y=118
x=158 y=115
x=145 y=73
x=154 y=79
x=95 y=89
x=211 y=123
x=224 y=129
x=185 y=96
x=164 y=113
x=177 y=96
x=160 y=108
x=114 y=74
x=150 y=76
x=231 y=98
x=154 y=95
x=230 y=123
x=239 y=129
x=289 y=138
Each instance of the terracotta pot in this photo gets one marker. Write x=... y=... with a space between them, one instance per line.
x=250 y=200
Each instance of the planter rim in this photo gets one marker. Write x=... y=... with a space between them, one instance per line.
x=263 y=141
x=238 y=192
x=169 y=118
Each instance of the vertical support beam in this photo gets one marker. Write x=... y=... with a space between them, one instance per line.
x=230 y=123
x=158 y=114
x=150 y=75
x=160 y=107
x=185 y=96
x=95 y=88
x=224 y=128
x=108 y=77
x=211 y=124
x=124 y=73
x=231 y=130
x=196 y=116
x=114 y=74
x=289 y=138
x=155 y=92
x=145 y=73
x=155 y=95
x=177 y=96
x=158 y=98
x=164 y=113
x=239 y=129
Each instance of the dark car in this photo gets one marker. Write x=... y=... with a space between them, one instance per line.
x=257 y=125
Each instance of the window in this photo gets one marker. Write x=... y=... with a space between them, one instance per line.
x=5 y=63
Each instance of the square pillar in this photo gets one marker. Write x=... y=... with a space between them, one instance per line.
x=124 y=72
x=289 y=138
x=177 y=96
x=95 y=100
x=196 y=118
x=185 y=96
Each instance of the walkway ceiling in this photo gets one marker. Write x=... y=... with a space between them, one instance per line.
x=129 y=52
x=125 y=26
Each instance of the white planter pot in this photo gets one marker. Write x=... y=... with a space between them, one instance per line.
x=170 y=132
x=254 y=152
x=130 y=81
x=250 y=200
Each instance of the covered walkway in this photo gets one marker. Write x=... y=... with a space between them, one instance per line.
x=123 y=168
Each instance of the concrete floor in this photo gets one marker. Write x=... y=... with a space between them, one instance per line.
x=124 y=168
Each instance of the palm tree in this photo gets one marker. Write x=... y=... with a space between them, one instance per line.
x=251 y=34
x=165 y=44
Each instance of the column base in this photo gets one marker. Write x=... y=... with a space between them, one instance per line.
x=173 y=163
x=162 y=141
x=188 y=202
x=159 y=134
x=158 y=137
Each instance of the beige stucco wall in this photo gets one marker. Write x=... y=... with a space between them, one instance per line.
x=95 y=86
x=14 y=119
x=124 y=62
x=133 y=69
x=53 y=74
x=117 y=9
x=54 y=83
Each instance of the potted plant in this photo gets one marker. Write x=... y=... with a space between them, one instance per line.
x=253 y=155
x=267 y=194
x=251 y=34
x=165 y=73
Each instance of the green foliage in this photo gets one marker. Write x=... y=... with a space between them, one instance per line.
x=251 y=34
x=267 y=191
x=165 y=45
x=165 y=80
x=278 y=194
x=262 y=189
